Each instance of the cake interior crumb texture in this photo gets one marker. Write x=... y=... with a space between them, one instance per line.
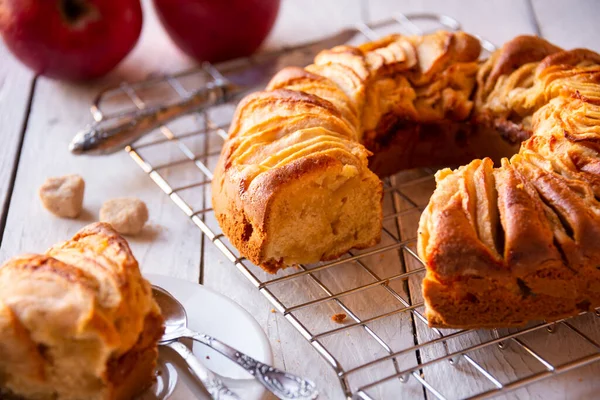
x=78 y=322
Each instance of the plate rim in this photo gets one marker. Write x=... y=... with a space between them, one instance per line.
x=198 y=286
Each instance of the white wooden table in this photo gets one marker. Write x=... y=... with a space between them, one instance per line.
x=39 y=116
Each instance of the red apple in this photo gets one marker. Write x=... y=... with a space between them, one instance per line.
x=217 y=30
x=70 y=39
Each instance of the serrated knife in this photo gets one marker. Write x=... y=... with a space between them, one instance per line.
x=113 y=134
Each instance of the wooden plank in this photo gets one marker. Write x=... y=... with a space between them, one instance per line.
x=497 y=21
x=301 y=22
x=513 y=362
x=170 y=245
x=308 y=20
x=15 y=92
x=474 y=17
x=569 y=25
x=290 y=350
x=58 y=111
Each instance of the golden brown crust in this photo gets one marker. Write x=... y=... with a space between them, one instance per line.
x=515 y=53
x=300 y=136
x=278 y=98
x=133 y=372
x=474 y=302
x=546 y=198
x=80 y=319
x=292 y=75
x=502 y=245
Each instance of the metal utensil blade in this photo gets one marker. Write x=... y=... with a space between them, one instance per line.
x=111 y=135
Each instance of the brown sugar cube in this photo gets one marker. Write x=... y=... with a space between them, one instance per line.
x=127 y=215
x=63 y=195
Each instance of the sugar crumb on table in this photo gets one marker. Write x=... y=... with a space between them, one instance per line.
x=63 y=195
x=127 y=215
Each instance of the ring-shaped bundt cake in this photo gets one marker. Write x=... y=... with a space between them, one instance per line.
x=297 y=181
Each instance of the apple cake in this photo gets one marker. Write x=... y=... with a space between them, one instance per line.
x=504 y=240
x=78 y=322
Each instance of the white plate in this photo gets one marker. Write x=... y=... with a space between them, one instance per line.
x=212 y=313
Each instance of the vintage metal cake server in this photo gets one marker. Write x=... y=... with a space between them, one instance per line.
x=105 y=137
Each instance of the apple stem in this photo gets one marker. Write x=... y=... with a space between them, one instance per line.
x=75 y=11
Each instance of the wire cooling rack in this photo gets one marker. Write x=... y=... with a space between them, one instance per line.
x=384 y=349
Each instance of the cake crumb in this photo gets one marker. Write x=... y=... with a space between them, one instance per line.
x=273 y=310
x=338 y=318
x=208 y=357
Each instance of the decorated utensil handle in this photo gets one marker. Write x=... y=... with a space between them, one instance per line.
x=214 y=386
x=284 y=385
x=111 y=135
